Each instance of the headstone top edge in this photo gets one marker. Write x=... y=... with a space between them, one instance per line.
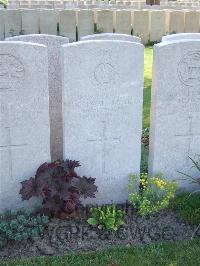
x=87 y=42
x=38 y=36
x=176 y=42
x=20 y=43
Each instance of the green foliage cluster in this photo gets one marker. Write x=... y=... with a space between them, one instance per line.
x=20 y=226
x=196 y=165
x=4 y=3
x=145 y=150
x=155 y=193
x=107 y=217
x=188 y=207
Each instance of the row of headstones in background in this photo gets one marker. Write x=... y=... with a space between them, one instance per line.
x=98 y=128
x=149 y=25
x=102 y=105
x=61 y=4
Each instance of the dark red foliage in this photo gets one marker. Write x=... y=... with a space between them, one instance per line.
x=59 y=186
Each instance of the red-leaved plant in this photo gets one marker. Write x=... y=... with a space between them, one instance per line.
x=60 y=188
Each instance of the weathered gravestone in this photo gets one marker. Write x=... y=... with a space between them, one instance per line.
x=181 y=36
x=111 y=36
x=175 y=114
x=103 y=91
x=53 y=44
x=24 y=117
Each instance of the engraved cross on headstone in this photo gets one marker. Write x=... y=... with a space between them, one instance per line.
x=104 y=140
x=9 y=146
x=189 y=135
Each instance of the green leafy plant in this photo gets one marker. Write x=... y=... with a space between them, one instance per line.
x=21 y=226
x=106 y=217
x=4 y=3
x=97 y=30
x=145 y=150
x=193 y=180
x=187 y=206
x=155 y=193
x=60 y=188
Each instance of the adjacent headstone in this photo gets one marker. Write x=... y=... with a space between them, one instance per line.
x=67 y=25
x=49 y=20
x=141 y=24
x=24 y=120
x=103 y=92
x=176 y=21
x=123 y=21
x=175 y=114
x=157 y=25
x=85 y=22
x=192 y=20
x=104 y=20
x=112 y=36
x=30 y=21
x=12 y=20
x=53 y=44
x=180 y=36
x=1 y=25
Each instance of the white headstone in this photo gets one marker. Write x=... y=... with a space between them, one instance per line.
x=141 y=24
x=85 y=22
x=67 y=24
x=30 y=21
x=53 y=44
x=157 y=25
x=103 y=91
x=49 y=20
x=111 y=36
x=1 y=25
x=176 y=21
x=123 y=21
x=180 y=36
x=13 y=24
x=175 y=113
x=24 y=120
x=192 y=19
x=105 y=20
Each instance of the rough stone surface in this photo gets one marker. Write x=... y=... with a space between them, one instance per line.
x=180 y=36
x=175 y=114
x=103 y=112
x=53 y=44
x=112 y=36
x=24 y=121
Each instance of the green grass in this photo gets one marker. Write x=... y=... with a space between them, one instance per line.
x=188 y=207
x=148 y=58
x=169 y=254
